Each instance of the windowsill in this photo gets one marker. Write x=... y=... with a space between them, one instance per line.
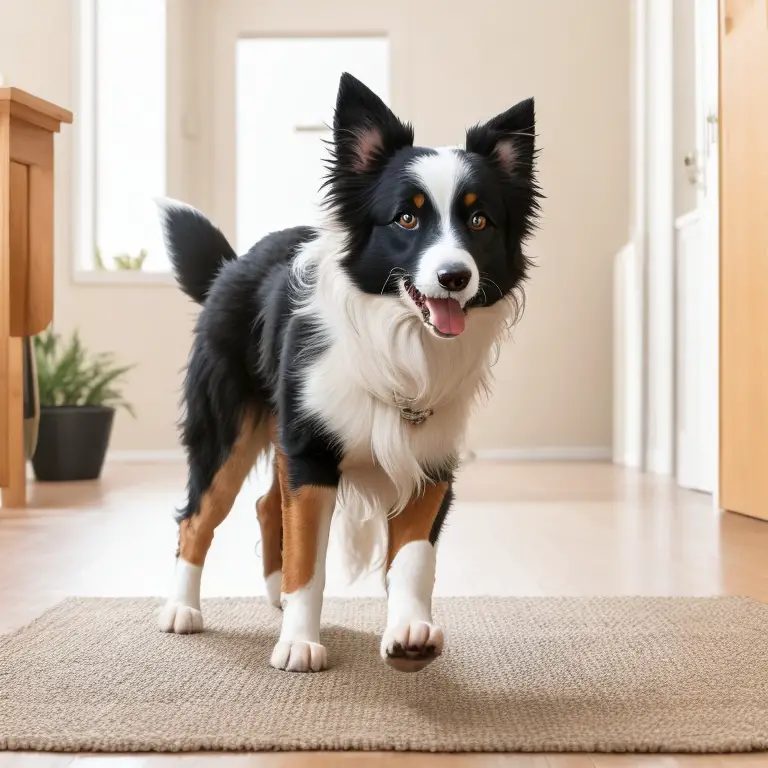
x=123 y=277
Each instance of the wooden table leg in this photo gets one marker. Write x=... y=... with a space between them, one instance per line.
x=15 y=493
x=5 y=294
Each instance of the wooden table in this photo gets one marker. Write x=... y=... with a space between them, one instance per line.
x=27 y=125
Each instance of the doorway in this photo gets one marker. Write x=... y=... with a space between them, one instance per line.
x=285 y=91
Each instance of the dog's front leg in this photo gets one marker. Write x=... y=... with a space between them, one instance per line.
x=307 y=512
x=411 y=640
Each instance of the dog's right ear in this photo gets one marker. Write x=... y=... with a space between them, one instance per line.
x=365 y=130
x=508 y=139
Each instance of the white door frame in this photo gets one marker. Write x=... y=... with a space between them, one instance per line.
x=653 y=226
x=698 y=276
x=708 y=119
x=720 y=33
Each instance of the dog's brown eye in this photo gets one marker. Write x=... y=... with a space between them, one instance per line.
x=478 y=222
x=407 y=221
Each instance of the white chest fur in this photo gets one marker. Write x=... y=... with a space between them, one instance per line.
x=380 y=354
x=374 y=433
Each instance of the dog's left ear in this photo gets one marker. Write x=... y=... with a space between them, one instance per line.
x=365 y=130
x=508 y=139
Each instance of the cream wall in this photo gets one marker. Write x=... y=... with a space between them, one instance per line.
x=449 y=70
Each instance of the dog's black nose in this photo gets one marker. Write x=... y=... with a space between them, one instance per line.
x=454 y=277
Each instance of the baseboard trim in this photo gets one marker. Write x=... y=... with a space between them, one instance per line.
x=545 y=453
x=145 y=457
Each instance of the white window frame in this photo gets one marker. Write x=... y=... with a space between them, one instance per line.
x=84 y=162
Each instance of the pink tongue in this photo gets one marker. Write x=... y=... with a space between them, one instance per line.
x=446 y=315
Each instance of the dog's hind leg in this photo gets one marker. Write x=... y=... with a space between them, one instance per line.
x=211 y=497
x=269 y=510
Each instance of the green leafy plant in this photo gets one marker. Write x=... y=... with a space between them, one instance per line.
x=68 y=375
x=126 y=261
x=123 y=261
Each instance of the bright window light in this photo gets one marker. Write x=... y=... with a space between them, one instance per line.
x=124 y=164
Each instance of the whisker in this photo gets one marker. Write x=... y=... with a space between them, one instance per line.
x=485 y=277
x=400 y=273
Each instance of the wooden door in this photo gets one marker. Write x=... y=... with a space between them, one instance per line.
x=744 y=257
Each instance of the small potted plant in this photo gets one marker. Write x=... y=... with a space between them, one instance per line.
x=78 y=395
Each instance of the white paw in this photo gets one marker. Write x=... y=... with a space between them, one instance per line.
x=274 y=584
x=410 y=647
x=299 y=656
x=178 y=618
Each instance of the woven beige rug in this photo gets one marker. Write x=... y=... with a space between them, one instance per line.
x=570 y=674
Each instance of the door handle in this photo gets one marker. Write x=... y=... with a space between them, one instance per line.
x=733 y=8
x=727 y=16
x=693 y=169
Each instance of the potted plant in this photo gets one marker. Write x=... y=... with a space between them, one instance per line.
x=78 y=395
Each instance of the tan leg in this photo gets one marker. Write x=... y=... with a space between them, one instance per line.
x=411 y=640
x=307 y=513
x=269 y=511
x=182 y=611
x=15 y=494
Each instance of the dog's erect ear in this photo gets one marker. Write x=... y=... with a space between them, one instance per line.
x=508 y=141
x=508 y=138
x=365 y=130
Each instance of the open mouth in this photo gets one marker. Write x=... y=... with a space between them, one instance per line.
x=445 y=317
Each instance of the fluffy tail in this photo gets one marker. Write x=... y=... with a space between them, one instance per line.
x=196 y=247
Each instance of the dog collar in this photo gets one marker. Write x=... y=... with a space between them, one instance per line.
x=411 y=415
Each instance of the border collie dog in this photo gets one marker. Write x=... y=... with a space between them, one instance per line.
x=352 y=353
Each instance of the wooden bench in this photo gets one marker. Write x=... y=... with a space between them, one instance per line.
x=27 y=125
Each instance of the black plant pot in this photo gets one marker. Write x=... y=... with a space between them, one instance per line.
x=72 y=442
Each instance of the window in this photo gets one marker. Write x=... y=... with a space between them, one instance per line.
x=122 y=132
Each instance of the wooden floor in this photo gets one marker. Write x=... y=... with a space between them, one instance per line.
x=521 y=529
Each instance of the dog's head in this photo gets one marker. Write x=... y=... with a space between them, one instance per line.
x=439 y=229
